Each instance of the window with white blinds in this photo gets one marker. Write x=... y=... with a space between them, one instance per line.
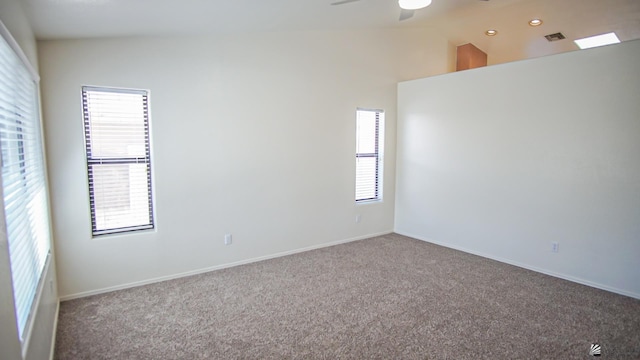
x=116 y=123
x=369 y=151
x=24 y=192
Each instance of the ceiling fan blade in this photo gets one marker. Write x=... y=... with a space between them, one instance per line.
x=406 y=14
x=343 y=2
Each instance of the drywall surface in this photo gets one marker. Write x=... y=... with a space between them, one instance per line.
x=42 y=334
x=505 y=160
x=253 y=135
x=14 y=19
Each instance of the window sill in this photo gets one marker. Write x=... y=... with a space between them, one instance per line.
x=369 y=202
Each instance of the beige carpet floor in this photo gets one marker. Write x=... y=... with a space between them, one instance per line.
x=388 y=297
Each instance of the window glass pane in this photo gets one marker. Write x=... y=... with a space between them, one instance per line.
x=117 y=127
x=367 y=179
x=120 y=195
x=366 y=128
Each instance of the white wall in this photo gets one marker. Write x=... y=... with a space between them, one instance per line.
x=253 y=135
x=502 y=161
x=42 y=334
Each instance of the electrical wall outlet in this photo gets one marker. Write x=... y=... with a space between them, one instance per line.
x=358 y=218
x=555 y=247
x=228 y=239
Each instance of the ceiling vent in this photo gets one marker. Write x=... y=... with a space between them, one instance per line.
x=555 y=37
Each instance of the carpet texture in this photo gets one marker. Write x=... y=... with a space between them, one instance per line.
x=388 y=297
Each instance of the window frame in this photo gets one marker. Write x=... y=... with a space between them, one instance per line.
x=94 y=161
x=31 y=208
x=378 y=155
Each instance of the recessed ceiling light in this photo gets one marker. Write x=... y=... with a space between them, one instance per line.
x=413 y=4
x=535 y=22
x=598 y=40
x=491 y=32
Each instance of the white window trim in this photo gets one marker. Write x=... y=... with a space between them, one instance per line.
x=133 y=230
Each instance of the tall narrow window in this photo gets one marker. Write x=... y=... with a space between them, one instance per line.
x=369 y=152
x=24 y=192
x=116 y=123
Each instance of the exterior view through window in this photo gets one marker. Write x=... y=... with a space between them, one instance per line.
x=116 y=123
x=369 y=154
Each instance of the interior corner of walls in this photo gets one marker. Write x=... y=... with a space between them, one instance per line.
x=559 y=275
x=93 y=292
x=532 y=175
x=15 y=20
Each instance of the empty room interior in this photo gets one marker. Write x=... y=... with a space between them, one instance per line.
x=279 y=179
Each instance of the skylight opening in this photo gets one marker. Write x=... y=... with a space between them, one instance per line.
x=598 y=40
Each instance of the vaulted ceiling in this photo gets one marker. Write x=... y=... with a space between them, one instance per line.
x=460 y=21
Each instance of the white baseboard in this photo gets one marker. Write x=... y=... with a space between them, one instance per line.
x=525 y=266
x=217 y=267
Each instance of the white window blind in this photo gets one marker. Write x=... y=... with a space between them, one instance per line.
x=369 y=150
x=116 y=123
x=23 y=182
